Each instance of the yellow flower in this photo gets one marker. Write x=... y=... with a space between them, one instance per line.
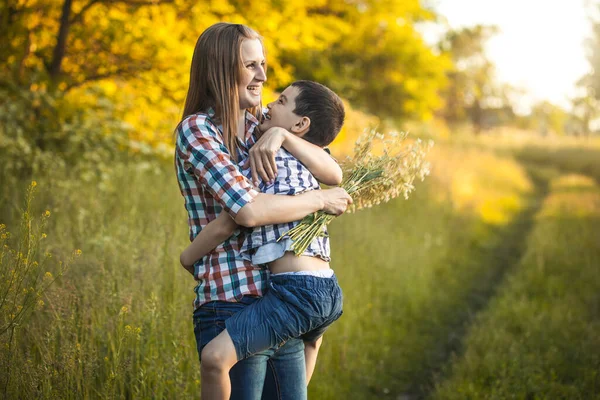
x=47 y=213
x=48 y=275
x=124 y=310
x=41 y=303
x=33 y=184
x=44 y=236
x=78 y=252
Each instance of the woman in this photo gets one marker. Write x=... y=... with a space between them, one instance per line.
x=218 y=128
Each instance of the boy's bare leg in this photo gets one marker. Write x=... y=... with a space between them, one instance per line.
x=218 y=356
x=311 y=350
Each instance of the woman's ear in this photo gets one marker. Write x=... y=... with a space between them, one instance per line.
x=301 y=127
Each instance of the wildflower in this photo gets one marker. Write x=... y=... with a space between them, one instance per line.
x=124 y=310
x=48 y=275
x=78 y=252
x=47 y=214
x=370 y=180
x=44 y=236
x=40 y=303
x=33 y=184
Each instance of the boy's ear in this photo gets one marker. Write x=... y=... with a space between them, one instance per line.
x=301 y=127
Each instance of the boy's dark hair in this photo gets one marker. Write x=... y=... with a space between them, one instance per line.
x=324 y=108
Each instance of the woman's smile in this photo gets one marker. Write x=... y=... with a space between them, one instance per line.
x=255 y=90
x=253 y=74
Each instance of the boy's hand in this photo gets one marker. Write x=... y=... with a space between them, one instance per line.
x=262 y=155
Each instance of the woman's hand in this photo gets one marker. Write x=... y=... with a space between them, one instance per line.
x=335 y=201
x=262 y=155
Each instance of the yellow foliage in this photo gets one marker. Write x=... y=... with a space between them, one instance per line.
x=572 y=196
x=480 y=183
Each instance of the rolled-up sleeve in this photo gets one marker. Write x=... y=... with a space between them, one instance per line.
x=201 y=148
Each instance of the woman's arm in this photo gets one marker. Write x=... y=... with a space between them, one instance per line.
x=201 y=152
x=213 y=234
x=262 y=157
x=267 y=209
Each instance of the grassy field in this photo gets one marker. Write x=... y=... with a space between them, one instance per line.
x=483 y=285
x=539 y=336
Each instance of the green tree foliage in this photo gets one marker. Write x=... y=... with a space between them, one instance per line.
x=472 y=89
x=591 y=82
x=546 y=118
x=378 y=61
x=586 y=105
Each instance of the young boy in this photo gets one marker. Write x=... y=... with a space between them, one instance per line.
x=304 y=297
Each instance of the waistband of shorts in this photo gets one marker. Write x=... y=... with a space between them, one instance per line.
x=313 y=282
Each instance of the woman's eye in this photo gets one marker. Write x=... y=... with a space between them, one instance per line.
x=250 y=66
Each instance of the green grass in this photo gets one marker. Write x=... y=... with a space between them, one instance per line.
x=415 y=274
x=119 y=321
x=539 y=337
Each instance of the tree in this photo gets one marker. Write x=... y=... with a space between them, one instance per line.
x=471 y=80
x=586 y=105
x=72 y=43
x=377 y=59
x=136 y=54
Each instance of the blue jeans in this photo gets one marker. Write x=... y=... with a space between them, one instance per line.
x=274 y=374
x=295 y=306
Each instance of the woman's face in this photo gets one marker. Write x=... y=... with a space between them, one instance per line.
x=253 y=74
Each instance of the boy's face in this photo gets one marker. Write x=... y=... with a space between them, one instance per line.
x=281 y=111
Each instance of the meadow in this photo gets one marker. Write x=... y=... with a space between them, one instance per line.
x=484 y=284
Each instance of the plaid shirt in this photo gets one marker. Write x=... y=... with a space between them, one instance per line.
x=210 y=182
x=292 y=178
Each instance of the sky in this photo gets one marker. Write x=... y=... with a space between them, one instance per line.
x=540 y=47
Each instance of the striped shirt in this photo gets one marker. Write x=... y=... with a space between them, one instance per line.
x=292 y=178
x=210 y=182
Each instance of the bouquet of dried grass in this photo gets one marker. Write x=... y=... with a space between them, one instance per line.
x=370 y=179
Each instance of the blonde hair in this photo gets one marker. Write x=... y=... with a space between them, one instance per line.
x=214 y=76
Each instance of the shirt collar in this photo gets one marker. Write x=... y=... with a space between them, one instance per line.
x=251 y=126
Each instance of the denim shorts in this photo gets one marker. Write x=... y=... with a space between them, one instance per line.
x=273 y=374
x=294 y=306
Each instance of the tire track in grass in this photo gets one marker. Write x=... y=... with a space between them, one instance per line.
x=500 y=259
x=538 y=338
